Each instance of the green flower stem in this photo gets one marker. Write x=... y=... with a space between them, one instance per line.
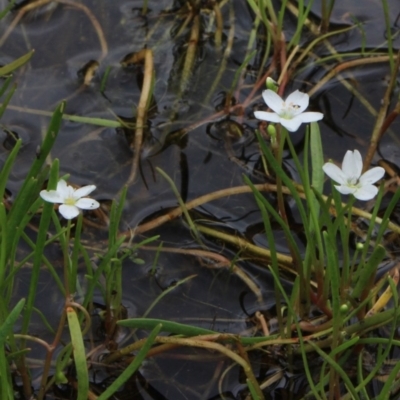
x=67 y=261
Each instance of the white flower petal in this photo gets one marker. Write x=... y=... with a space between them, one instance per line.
x=63 y=189
x=298 y=99
x=352 y=164
x=291 y=124
x=310 y=116
x=52 y=196
x=87 y=204
x=68 y=212
x=372 y=176
x=335 y=173
x=344 y=189
x=267 y=116
x=84 y=191
x=273 y=101
x=366 y=192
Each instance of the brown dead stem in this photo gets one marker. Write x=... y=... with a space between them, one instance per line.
x=344 y=66
x=145 y=55
x=266 y=187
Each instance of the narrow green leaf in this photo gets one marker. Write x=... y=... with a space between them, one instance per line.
x=367 y=273
x=6 y=384
x=343 y=374
x=286 y=229
x=75 y=255
x=167 y=326
x=5 y=102
x=6 y=84
x=104 y=264
x=40 y=245
x=12 y=66
x=48 y=141
x=167 y=291
x=115 y=216
x=177 y=328
x=332 y=275
x=6 y=10
x=5 y=170
x=7 y=326
x=78 y=349
x=132 y=367
x=253 y=391
x=317 y=157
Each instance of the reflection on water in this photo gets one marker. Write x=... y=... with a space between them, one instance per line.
x=188 y=136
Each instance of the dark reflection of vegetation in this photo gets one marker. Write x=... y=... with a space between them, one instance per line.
x=330 y=330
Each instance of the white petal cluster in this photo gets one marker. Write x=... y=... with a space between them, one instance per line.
x=71 y=199
x=289 y=113
x=350 y=179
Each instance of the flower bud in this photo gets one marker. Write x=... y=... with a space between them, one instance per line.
x=344 y=308
x=359 y=246
x=272 y=134
x=271 y=84
x=271 y=130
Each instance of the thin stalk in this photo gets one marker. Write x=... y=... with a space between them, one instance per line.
x=266 y=187
x=136 y=145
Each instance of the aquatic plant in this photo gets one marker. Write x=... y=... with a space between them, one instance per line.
x=290 y=112
x=350 y=178
x=71 y=200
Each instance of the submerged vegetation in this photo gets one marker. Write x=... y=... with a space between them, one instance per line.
x=333 y=311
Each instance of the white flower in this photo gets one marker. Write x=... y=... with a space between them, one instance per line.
x=71 y=200
x=288 y=113
x=350 y=179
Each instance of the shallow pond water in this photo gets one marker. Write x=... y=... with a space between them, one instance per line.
x=189 y=138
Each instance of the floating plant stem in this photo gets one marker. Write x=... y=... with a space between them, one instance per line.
x=266 y=187
x=108 y=123
x=225 y=57
x=286 y=262
x=145 y=55
x=145 y=7
x=346 y=65
x=190 y=57
x=219 y=25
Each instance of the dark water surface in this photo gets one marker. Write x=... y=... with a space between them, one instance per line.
x=208 y=157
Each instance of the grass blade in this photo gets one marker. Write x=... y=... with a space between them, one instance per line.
x=78 y=349
x=132 y=367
